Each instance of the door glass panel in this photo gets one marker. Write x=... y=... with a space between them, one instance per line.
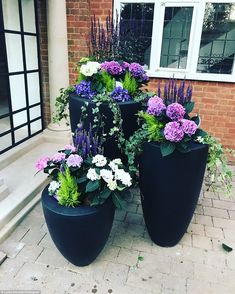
x=11 y=15
x=31 y=52
x=136 y=23
x=35 y=112
x=36 y=126
x=217 y=47
x=17 y=87
x=176 y=34
x=28 y=16
x=21 y=133
x=19 y=118
x=33 y=88
x=5 y=124
x=14 y=52
x=5 y=141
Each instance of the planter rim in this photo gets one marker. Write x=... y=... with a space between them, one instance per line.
x=52 y=204
x=194 y=145
x=103 y=103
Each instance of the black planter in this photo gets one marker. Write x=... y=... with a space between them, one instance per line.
x=170 y=187
x=79 y=233
x=129 y=109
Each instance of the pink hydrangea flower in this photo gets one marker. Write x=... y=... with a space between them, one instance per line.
x=155 y=106
x=175 y=111
x=173 y=132
x=70 y=147
x=42 y=163
x=58 y=157
x=74 y=160
x=189 y=127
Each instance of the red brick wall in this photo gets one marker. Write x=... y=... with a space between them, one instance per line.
x=42 y=21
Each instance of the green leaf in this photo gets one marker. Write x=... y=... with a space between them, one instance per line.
x=126 y=194
x=167 y=148
x=92 y=186
x=105 y=193
x=227 y=248
x=201 y=133
x=117 y=200
x=189 y=106
x=196 y=119
x=140 y=258
x=97 y=201
x=81 y=180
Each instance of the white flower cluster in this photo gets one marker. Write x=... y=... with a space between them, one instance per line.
x=53 y=187
x=90 y=68
x=99 y=160
x=109 y=176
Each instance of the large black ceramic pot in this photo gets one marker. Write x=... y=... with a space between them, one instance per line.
x=170 y=188
x=129 y=109
x=79 y=233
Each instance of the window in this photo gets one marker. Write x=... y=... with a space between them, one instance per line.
x=192 y=39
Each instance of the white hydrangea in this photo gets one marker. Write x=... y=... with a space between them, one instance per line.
x=117 y=161
x=112 y=185
x=92 y=175
x=107 y=175
x=90 y=68
x=99 y=160
x=123 y=176
x=113 y=166
x=53 y=187
x=118 y=84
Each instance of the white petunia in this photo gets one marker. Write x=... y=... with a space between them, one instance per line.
x=90 y=68
x=123 y=176
x=92 y=175
x=106 y=175
x=53 y=187
x=99 y=160
x=112 y=185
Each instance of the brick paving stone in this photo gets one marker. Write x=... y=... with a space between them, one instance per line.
x=195 y=286
x=202 y=242
x=52 y=257
x=186 y=240
x=184 y=269
x=229 y=235
x=142 y=244
x=134 y=218
x=131 y=207
x=174 y=284
x=217 y=212
x=206 y=202
x=123 y=240
x=120 y=215
x=215 y=259
x=3 y=257
x=128 y=256
x=214 y=232
x=230 y=260
x=139 y=209
x=193 y=254
x=30 y=253
x=116 y=273
x=47 y=242
x=224 y=223
x=33 y=237
x=231 y=214
x=203 y=220
x=199 y=209
x=11 y=247
x=196 y=229
x=211 y=195
x=135 y=230
x=109 y=253
x=223 y=204
x=206 y=272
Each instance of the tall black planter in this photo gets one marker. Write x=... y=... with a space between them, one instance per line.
x=79 y=233
x=129 y=109
x=170 y=187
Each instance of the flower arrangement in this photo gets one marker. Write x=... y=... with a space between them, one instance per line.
x=82 y=176
x=167 y=121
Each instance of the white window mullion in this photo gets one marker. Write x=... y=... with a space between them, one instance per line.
x=158 y=19
x=195 y=38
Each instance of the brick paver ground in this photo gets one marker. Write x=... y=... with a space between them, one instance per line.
x=130 y=262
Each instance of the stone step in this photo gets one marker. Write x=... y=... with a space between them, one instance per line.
x=4 y=191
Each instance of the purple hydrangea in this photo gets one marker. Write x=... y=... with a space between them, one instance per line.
x=42 y=163
x=113 y=68
x=155 y=106
x=173 y=132
x=58 y=157
x=70 y=147
x=125 y=65
x=120 y=95
x=74 y=160
x=188 y=126
x=83 y=89
x=175 y=111
x=136 y=70
x=144 y=78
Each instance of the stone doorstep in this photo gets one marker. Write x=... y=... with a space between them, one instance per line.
x=3 y=256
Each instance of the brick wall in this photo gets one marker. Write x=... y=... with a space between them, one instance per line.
x=42 y=20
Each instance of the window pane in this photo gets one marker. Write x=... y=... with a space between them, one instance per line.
x=31 y=52
x=5 y=141
x=35 y=112
x=28 y=16
x=36 y=126
x=136 y=23
x=176 y=34
x=14 y=52
x=11 y=15
x=17 y=87
x=217 y=48
x=19 y=118
x=33 y=88
x=5 y=124
x=21 y=134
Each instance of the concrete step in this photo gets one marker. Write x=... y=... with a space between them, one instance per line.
x=4 y=191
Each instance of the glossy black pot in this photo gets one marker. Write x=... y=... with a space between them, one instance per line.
x=129 y=109
x=170 y=188
x=79 y=233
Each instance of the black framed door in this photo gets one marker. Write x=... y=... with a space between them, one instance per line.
x=20 y=90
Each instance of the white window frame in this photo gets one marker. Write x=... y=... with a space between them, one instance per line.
x=194 y=42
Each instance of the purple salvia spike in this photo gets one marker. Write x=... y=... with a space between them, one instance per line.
x=88 y=146
x=159 y=89
x=175 y=92
x=165 y=91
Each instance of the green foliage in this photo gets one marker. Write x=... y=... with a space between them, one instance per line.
x=189 y=106
x=108 y=81
x=130 y=84
x=80 y=78
x=154 y=127
x=219 y=176
x=167 y=148
x=92 y=186
x=68 y=194
x=61 y=105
